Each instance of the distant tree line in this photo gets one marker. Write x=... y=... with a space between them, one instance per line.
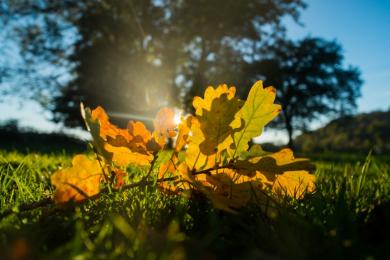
x=360 y=133
x=13 y=137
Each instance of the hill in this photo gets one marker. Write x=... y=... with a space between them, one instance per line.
x=359 y=133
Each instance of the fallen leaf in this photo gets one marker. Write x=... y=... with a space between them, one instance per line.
x=295 y=184
x=80 y=181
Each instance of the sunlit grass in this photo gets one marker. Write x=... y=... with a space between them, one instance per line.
x=336 y=221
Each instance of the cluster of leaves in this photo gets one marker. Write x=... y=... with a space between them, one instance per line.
x=210 y=155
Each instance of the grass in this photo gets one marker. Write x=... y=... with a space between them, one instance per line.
x=348 y=216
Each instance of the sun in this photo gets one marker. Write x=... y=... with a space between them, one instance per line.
x=177 y=116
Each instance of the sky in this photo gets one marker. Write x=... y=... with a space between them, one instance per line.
x=362 y=27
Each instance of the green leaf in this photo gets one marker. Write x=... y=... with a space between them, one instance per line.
x=258 y=110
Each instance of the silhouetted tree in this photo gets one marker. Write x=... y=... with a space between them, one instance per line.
x=310 y=78
x=220 y=34
x=117 y=60
x=132 y=56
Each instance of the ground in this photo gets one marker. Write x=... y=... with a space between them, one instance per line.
x=348 y=216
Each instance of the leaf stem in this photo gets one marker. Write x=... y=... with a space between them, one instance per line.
x=152 y=163
x=207 y=171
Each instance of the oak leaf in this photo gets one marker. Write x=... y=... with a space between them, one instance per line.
x=106 y=128
x=195 y=159
x=295 y=184
x=228 y=190
x=121 y=146
x=79 y=182
x=275 y=163
x=247 y=181
x=174 y=168
x=281 y=171
x=216 y=160
x=210 y=94
x=258 y=110
x=94 y=127
x=164 y=123
x=184 y=129
x=211 y=129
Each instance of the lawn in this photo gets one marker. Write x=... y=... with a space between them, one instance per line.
x=348 y=216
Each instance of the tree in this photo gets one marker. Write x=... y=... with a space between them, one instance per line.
x=32 y=47
x=124 y=54
x=310 y=79
x=116 y=60
x=219 y=34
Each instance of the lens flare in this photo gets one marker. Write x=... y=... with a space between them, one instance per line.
x=177 y=117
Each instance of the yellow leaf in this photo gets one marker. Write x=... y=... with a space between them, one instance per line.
x=229 y=190
x=294 y=184
x=215 y=124
x=281 y=171
x=247 y=181
x=217 y=162
x=257 y=111
x=211 y=94
x=210 y=133
x=194 y=158
x=79 y=181
x=276 y=163
x=184 y=131
x=266 y=168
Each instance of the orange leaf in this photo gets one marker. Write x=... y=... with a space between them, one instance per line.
x=123 y=156
x=119 y=178
x=121 y=146
x=106 y=128
x=139 y=132
x=294 y=184
x=164 y=124
x=78 y=182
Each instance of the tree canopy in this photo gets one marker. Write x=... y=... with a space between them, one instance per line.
x=136 y=56
x=311 y=78
x=133 y=56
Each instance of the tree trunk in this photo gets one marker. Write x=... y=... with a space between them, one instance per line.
x=289 y=128
x=290 y=136
x=198 y=81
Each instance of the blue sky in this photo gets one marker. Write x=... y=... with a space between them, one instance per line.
x=362 y=27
